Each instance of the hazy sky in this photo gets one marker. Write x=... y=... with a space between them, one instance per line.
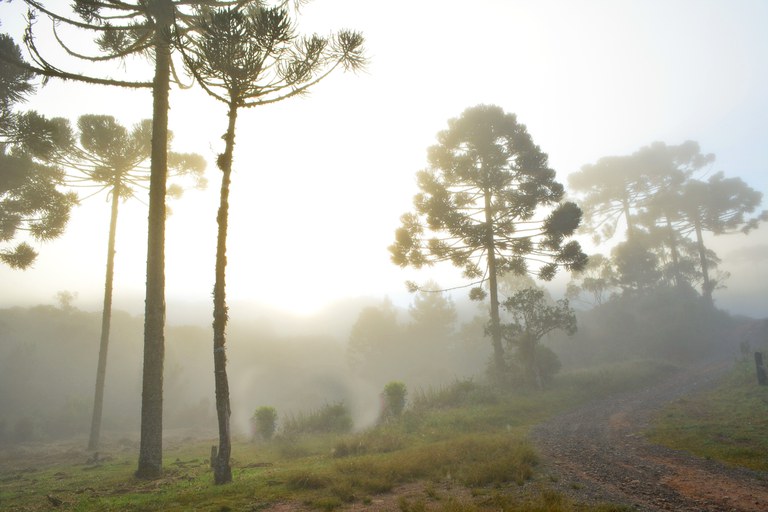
x=320 y=182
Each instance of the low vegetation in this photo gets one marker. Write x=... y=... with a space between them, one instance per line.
x=462 y=447
x=729 y=423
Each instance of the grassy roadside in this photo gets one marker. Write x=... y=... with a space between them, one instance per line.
x=729 y=423
x=465 y=445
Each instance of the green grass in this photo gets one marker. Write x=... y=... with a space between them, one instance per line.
x=729 y=423
x=461 y=437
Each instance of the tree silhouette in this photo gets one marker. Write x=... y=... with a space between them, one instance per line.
x=619 y=188
x=373 y=337
x=719 y=205
x=433 y=315
x=124 y=28
x=109 y=157
x=30 y=200
x=596 y=280
x=244 y=58
x=667 y=210
x=479 y=209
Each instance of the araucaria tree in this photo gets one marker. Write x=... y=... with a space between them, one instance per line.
x=124 y=28
x=31 y=201
x=245 y=58
x=667 y=209
x=489 y=204
x=109 y=157
x=719 y=205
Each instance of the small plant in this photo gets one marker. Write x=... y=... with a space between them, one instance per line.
x=393 y=400
x=264 y=422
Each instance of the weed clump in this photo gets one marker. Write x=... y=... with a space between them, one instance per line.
x=304 y=480
x=330 y=418
x=459 y=393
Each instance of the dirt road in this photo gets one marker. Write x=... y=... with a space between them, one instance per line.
x=596 y=453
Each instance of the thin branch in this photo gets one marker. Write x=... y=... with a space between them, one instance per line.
x=51 y=72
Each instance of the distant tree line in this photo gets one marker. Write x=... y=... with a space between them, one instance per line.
x=662 y=196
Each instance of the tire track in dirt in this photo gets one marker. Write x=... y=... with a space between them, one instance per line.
x=597 y=453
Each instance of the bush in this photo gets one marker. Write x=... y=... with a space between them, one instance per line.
x=264 y=422
x=331 y=418
x=393 y=399
x=548 y=363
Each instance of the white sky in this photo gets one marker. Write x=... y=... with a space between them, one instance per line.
x=320 y=182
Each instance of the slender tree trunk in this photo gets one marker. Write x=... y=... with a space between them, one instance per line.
x=106 y=319
x=707 y=285
x=490 y=247
x=675 y=255
x=222 y=472
x=151 y=445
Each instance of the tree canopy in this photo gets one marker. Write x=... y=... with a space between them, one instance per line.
x=32 y=202
x=489 y=204
x=662 y=194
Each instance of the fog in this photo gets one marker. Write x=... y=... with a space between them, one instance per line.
x=48 y=359
x=297 y=365
x=321 y=182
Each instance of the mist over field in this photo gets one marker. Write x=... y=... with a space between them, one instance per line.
x=299 y=364
x=342 y=255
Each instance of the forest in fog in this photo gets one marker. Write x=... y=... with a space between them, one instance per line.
x=517 y=271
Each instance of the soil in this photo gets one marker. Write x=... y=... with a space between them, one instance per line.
x=597 y=453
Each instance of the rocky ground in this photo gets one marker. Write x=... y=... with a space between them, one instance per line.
x=597 y=453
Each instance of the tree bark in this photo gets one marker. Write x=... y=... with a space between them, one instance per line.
x=222 y=470
x=500 y=366
x=151 y=444
x=106 y=320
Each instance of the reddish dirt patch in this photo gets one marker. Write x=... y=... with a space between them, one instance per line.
x=597 y=453
x=705 y=487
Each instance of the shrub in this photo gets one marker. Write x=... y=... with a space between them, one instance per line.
x=393 y=399
x=548 y=364
x=264 y=422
